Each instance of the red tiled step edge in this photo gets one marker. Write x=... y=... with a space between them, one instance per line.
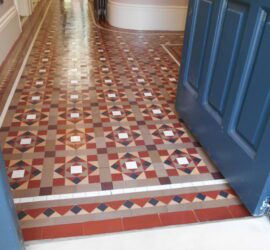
x=133 y=223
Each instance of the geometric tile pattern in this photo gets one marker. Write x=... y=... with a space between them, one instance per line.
x=94 y=111
x=123 y=205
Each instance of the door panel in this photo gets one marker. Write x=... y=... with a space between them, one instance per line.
x=224 y=91
x=204 y=9
x=232 y=34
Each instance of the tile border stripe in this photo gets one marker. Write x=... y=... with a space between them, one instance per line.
x=118 y=191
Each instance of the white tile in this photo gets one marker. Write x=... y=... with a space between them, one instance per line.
x=157 y=58
x=35 y=98
x=126 y=50
x=123 y=135
x=75 y=138
x=130 y=59
x=42 y=70
x=45 y=60
x=74 y=81
x=172 y=79
x=131 y=165
x=122 y=43
x=108 y=81
x=47 y=51
x=25 y=141
x=102 y=59
x=147 y=94
x=74 y=59
x=74 y=97
x=135 y=69
x=39 y=83
x=168 y=133
x=116 y=113
x=111 y=95
x=75 y=115
x=151 y=50
x=18 y=174
x=157 y=111
x=141 y=80
x=164 y=68
x=100 y=50
x=74 y=70
x=105 y=69
x=182 y=161
x=76 y=170
x=31 y=117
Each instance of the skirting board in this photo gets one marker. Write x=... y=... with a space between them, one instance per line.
x=10 y=29
x=146 y=16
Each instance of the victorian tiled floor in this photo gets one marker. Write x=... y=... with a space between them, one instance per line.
x=91 y=139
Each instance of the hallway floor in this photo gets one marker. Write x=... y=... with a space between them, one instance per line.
x=91 y=139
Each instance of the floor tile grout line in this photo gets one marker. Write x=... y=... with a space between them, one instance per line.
x=118 y=191
x=170 y=54
x=17 y=80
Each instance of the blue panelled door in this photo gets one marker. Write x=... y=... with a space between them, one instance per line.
x=224 y=91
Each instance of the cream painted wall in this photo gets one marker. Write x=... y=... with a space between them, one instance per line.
x=10 y=27
x=5 y=6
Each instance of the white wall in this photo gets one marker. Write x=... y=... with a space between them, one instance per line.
x=10 y=28
x=167 y=15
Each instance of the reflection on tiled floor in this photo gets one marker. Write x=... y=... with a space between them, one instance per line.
x=92 y=117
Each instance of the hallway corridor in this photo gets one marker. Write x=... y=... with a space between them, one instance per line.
x=91 y=140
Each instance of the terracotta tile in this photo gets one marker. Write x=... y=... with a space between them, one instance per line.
x=104 y=226
x=176 y=218
x=60 y=231
x=141 y=222
x=239 y=211
x=211 y=214
x=32 y=233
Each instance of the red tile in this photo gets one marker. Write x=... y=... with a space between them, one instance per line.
x=59 y=231
x=210 y=214
x=239 y=211
x=32 y=233
x=141 y=222
x=176 y=218
x=105 y=226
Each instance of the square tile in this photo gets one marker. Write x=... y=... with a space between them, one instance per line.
x=39 y=83
x=157 y=111
x=123 y=135
x=18 y=174
x=182 y=161
x=116 y=113
x=111 y=95
x=75 y=115
x=168 y=133
x=131 y=165
x=45 y=191
x=31 y=117
x=35 y=98
x=76 y=169
x=147 y=94
x=75 y=138
x=25 y=141
x=73 y=97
